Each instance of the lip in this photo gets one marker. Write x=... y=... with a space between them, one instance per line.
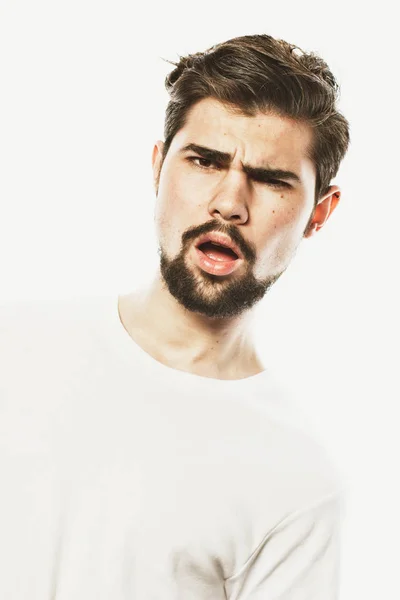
x=216 y=267
x=219 y=238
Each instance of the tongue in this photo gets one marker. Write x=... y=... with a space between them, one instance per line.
x=217 y=252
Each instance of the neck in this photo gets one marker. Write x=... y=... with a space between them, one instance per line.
x=219 y=348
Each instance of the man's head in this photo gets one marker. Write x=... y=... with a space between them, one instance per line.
x=264 y=108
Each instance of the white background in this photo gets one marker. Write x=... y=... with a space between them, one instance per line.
x=82 y=102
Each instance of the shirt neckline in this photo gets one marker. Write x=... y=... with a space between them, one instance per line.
x=131 y=350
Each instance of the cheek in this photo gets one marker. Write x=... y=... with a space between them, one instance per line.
x=283 y=221
x=180 y=195
x=173 y=213
x=291 y=215
x=173 y=194
x=280 y=237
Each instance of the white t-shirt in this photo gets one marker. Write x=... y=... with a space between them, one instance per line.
x=122 y=478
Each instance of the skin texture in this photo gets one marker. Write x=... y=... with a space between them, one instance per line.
x=189 y=319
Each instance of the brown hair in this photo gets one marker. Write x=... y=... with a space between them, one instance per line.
x=255 y=73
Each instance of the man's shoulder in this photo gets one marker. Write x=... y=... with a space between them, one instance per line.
x=28 y=324
x=35 y=311
x=303 y=460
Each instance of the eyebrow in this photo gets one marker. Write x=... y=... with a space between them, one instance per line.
x=225 y=158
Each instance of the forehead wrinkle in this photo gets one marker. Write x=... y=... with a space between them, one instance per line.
x=226 y=158
x=234 y=155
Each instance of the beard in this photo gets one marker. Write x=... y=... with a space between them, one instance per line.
x=212 y=296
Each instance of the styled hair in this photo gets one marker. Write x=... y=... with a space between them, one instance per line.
x=254 y=73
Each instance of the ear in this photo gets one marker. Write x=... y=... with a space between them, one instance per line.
x=325 y=207
x=156 y=161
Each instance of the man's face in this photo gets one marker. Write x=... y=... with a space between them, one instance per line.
x=196 y=196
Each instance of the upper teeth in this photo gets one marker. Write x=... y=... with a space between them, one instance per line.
x=216 y=244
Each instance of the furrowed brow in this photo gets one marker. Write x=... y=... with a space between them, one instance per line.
x=225 y=158
x=267 y=173
x=208 y=153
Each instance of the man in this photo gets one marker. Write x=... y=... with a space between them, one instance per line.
x=146 y=452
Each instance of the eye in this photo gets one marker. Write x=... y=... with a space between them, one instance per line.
x=275 y=183
x=278 y=183
x=204 y=160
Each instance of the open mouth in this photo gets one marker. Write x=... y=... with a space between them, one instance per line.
x=217 y=252
x=216 y=259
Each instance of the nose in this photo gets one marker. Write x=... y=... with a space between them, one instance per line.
x=231 y=196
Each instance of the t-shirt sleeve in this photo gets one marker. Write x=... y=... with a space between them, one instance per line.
x=298 y=560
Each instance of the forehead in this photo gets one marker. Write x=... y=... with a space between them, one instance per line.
x=265 y=136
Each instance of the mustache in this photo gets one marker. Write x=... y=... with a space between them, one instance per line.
x=211 y=227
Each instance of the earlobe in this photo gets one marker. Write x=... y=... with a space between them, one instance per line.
x=157 y=162
x=311 y=230
x=323 y=210
x=331 y=199
x=157 y=150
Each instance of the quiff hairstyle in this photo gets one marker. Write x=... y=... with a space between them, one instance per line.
x=255 y=73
